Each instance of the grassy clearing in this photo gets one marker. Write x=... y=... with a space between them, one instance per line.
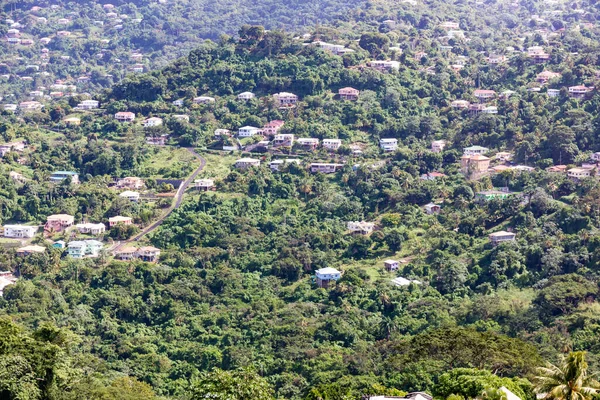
x=217 y=165
x=168 y=158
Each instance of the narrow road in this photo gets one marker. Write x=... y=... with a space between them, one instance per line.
x=175 y=205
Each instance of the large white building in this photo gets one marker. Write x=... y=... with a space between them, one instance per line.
x=19 y=231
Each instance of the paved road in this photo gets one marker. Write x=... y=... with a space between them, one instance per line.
x=178 y=200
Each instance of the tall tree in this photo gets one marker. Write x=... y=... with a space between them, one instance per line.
x=568 y=381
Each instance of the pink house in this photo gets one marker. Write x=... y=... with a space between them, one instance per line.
x=58 y=222
x=349 y=93
x=112 y=221
x=272 y=128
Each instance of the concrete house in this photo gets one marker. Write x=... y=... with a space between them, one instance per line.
x=391 y=265
x=545 y=76
x=384 y=66
x=203 y=100
x=125 y=116
x=388 y=144
x=484 y=95
x=30 y=106
x=325 y=275
x=13 y=146
x=460 y=104
x=437 y=146
x=553 y=92
x=283 y=139
x=362 y=227
x=84 y=248
x=498 y=237
x=31 y=249
x=130 y=195
x=248 y=131
x=148 y=254
x=91 y=229
x=332 y=144
x=153 y=121
x=160 y=140
x=245 y=96
x=432 y=208
x=349 y=93
x=474 y=150
x=245 y=163
x=58 y=222
x=204 y=185
x=580 y=92
x=130 y=182
x=222 y=132
x=308 y=143
x=59 y=176
x=276 y=164
x=126 y=253
x=474 y=163
x=113 y=221
x=273 y=127
x=178 y=103
x=325 y=168
x=286 y=99
x=580 y=173
x=88 y=105
x=19 y=231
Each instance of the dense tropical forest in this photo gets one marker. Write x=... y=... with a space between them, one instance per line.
x=468 y=275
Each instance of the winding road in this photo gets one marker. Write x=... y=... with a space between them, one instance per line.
x=175 y=205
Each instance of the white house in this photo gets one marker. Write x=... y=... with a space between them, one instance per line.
x=276 y=164
x=125 y=116
x=361 y=227
x=130 y=195
x=502 y=236
x=153 y=121
x=391 y=265
x=88 y=105
x=204 y=184
x=203 y=100
x=283 y=139
x=401 y=281
x=245 y=96
x=326 y=275
x=325 y=168
x=332 y=144
x=244 y=163
x=388 y=144
x=84 y=248
x=437 y=146
x=90 y=228
x=473 y=150
x=286 y=99
x=432 y=208
x=222 y=132
x=113 y=221
x=19 y=231
x=248 y=131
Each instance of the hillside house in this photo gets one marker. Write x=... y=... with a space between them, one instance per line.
x=13 y=146
x=580 y=92
x=332 y=144
x=400 y=282
x=204 y=185
x=130 y=182
x=160 y=140
x=248 y=131
x=432 y=176
x=137 y=68
x=595 y=157
x=203 y=100
x=222 y=132
x=283 y=139
x=487 y=195
x=63 y=33
x=153 y=121
x=495 y=59
x=476 y=109
x=308 y=143
x=286 y=99
x=537 y=54
x=384 y=66
x=349 y=93
x=130 y=195
x=503 y=236
x=19 y=231
x=88 y=105
x=490 y=110
x=474 y=150
x=361 y=227
x=325 y=168
x=126 y=253
x=503 y=156
x=31 y=249
x=276 y=164
x=388 y=144
x=545 y=76
x=84 y=248
x=91 y=228
x=484 y=95
x=125 y=116
x=391 y=265
x=437 y=146
x=432 y=208
x=245 y=163
x=553 y=92
x=72 y=121
x=59 y=176
x=580 y=173
x=460 y=104
x=178 y=103
x=58 y=222
x=273 y=127
x=245 y=96
x=30 y=106
x=16 y=177
x=474 y=164
x=325 y=275
x=148 y=254
x=114 y=221
x=557 y=169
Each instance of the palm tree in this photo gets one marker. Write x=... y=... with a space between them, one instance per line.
x=568 y=381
